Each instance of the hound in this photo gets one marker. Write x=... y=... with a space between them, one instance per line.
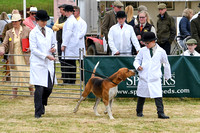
x=105 y=89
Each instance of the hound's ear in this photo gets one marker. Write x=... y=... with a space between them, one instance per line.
x=122 y=77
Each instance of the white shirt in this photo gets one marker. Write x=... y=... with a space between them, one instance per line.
x=120 y=39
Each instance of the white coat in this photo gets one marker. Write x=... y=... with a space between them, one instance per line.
x=187 y=53
x=40 y=47
x=70 y=38
x=82 y=29
x=120 y=39
x=149 y=84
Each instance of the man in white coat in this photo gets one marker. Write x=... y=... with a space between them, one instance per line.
x=121 y=35
x=69 y=45
x=148 y=63
x=42 y=73
x=82 y=29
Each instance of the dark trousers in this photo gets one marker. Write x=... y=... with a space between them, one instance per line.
x=81 y=65
x=158 y=102
x=166 y=46
x=41 y=96
x=68 y=66
x=59 y=49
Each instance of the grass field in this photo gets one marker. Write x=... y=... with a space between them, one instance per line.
x=17 y=115
x=9 y=5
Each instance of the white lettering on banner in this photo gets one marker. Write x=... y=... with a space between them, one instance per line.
x=132 y=82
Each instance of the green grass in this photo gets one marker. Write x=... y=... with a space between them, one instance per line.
x=17 y=115
x=9 y=5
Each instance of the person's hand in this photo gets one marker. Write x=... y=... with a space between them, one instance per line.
x=50 y=57
x=139 y=37
x=52 y=50
x=63 y=48
x=117 y=53
x=1 y=53
x=140 y=68
x=28 y=50
x=141 y=42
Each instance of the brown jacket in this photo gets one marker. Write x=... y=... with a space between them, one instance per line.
x=8 y=44
x=108 y=21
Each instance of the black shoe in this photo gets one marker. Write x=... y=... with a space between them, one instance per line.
x=38 y=116
x=163 y=116
x=140 y=115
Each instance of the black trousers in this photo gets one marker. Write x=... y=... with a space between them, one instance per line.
x=59 y=49
x=81 y=70
x=67 y=77
x=166 y=46
x=158 y=102
x=41 y=96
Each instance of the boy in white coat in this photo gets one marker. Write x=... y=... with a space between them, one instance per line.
x=121 y=35
x=148 y=63
x=42 y=73
x=191 y=45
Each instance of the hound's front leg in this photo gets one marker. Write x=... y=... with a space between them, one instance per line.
x=109 y=112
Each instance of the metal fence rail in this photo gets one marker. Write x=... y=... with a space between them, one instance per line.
x=60 y=90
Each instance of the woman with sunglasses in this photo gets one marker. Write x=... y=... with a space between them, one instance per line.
x=30 y=21
x=143 y=26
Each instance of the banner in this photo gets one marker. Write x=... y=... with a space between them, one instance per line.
x=185 y=70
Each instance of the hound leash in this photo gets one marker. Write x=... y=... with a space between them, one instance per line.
x=87 y=71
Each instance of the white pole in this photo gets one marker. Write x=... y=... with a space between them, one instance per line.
x=24 y=5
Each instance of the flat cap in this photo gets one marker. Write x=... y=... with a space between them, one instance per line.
x=191 y=41
x=62 y=6
x=162 y=6
x=142 y=8
x=118 y=4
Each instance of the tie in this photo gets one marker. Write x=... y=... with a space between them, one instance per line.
x=191 y=54
x=121 y=26
x=151 y=52
x=43 y=31
x=141 y=27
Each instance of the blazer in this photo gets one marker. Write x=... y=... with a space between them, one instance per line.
x=108 y=21
x=8 y=44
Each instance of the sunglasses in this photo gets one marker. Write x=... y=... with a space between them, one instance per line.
x=141 y=17
x=33 y=13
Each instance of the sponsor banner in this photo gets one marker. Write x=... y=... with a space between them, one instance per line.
x=185 y=80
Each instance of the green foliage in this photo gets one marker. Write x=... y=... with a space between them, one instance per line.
x=8 y=5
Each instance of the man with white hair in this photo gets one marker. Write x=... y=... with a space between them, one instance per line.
x=30 y=21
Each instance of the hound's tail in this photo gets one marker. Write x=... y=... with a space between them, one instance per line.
x=94 y=70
